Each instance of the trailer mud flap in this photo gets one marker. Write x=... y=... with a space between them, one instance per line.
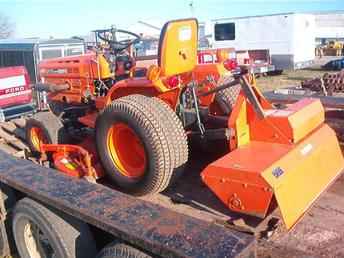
x=305 y=172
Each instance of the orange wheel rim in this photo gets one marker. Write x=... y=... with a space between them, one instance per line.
x=37 y=137
x=126 y=150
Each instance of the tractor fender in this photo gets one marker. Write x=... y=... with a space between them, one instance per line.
x=143 y=87
x=127 y=87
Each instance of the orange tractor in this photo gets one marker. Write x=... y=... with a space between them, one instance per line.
x=134 y=131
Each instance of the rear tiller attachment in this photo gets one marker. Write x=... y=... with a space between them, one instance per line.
x=290 y=155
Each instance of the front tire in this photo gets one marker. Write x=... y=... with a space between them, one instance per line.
x=44 y=127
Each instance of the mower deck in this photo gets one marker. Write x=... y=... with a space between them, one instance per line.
x=322 y=225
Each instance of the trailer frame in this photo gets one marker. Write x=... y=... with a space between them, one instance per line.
x=142 y=224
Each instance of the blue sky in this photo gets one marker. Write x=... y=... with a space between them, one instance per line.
x=63 y=18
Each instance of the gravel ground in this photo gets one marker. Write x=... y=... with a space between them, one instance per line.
x=319 y=235
x=293 y=78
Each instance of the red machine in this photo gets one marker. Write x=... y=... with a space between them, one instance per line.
x=255 y=61
x=134 y=131
x=227 y=56
x=15 y=92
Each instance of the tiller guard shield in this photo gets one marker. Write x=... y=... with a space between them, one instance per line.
x=246 y=179
x=289 y=155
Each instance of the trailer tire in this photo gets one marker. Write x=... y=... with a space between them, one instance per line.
x=8 y=196
x=134 y=145
x=118 y=249
x=8 y=199
x=66 y=236
x=50 y=128
x=227 y=98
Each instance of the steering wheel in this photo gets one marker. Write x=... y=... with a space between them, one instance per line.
x=109 y=36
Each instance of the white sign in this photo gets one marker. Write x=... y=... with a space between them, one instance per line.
x=305 y=150
x=10 y=82
x=185 y=33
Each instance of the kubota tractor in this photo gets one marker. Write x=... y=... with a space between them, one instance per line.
x=134 y=132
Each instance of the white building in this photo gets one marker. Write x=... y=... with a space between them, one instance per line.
x=329 y=26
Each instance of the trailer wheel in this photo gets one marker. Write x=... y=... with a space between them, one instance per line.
x=8 y=196
x=227 y=98
x=8 y=201
x=39 y=232
x=44 y=127
x=133 y=143
x=119 y=249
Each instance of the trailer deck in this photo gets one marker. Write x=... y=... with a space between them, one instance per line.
x=149 y=226
x=182 y=217
x=196 y=201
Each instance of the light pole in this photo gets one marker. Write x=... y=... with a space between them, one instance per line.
x=192 y=8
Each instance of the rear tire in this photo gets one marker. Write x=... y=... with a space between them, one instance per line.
x=140 y=116
x=119 y=249
x=38 y=230
x=179 y=138
x=227 y=98
x=51 y=128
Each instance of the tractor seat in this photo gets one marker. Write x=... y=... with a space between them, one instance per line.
x=153 y=73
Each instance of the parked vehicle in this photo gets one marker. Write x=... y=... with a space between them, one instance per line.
x=255 y=61
x=333 y=48
x=252 y=61
x=225 y=55
x=337 y=64
x=16 y=97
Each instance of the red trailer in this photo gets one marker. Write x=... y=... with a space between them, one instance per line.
x=227 y=55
